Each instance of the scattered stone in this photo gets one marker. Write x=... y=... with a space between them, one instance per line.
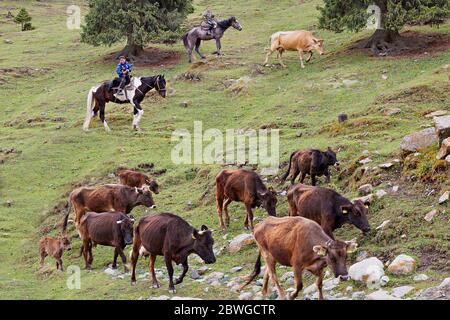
x=391 y=111
x=402 y=264
x=386 y=165
x=245 y=296
x=214 y=277
x=384 y=77
x=402 y=291
x=395 y=188
x=349 y=83
x=361 y=255
x=437 y=113
x=9 y=203
x=383 y=225
x=365 y=160
x=193 y=274
x=342 y=117
x=184 y=104
x=369 y=271
x=444 y=150
x=430 y=215
x=202 y=270
x=420 y=277
x=380 y=295
x=418 y=140
x=365 y=199
x=358 y=295
x=384 y=280
x=445 y=196
x=442 y=125
x=441 y=292
x=240 y=242
x=349 y=289
x=235 y=269
x=380 y=193
x=8 y=41
x=365 y=189
x=111 y=272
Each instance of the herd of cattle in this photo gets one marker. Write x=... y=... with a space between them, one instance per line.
x=303 y=240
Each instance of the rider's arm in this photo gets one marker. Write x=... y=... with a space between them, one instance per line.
x=119 y=70
x=130 y=67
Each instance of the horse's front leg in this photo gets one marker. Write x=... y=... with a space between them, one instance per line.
x=102 y=115
x=218 y=47
x=197 y=49
x=137 y=114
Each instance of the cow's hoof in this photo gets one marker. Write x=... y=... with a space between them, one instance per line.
x=156 y=286
x=133 y=282
x=173 y=291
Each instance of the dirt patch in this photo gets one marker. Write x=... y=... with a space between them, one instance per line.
x=418 y=95
x=152 y=58
x=20 y=72
x=414 y=45
x=433 y=258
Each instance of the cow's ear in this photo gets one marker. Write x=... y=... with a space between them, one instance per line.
x=195 y=234
x=204 y=228
x=351 y=246
x=320 y=250
x=119 y=221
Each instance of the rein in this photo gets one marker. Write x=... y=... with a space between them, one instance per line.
x=154 y=86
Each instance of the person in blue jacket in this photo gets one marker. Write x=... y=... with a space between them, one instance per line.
x=123 y=70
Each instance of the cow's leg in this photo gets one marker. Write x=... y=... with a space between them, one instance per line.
x=59 y=264
x=268 y=54
x=313 y=179
x=151 y=267
x=168 y=261
x=114 y=264
x=265 y=283
x=42 y=254
x=91 y=257
x=303 y=177
x=319 y=283
x=298 y=281
x=270 y=264
x=123 y=257
x=310 y=56
x=327 y=176
x=219 y=204
x=280 y=59
x=295 y=173
x=102 y=115
x=300 y=53
x=225 y=208
x=185 y=270
x=86 y=253
x=249 y=216
x=135 y=255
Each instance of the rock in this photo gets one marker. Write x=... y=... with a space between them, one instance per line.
x=240 y=242
x=365 y=160
x=430 y=215
x=8 y=41
x=391 y=111
x=402 y=291
x=288 y=275
x=365 y=189
x=369 y=271
x=184 y=104
x=395 y=188
x=384 y=280
x=160 y=298
x=447 y=159
x=342 y=117
x=386 y=165
x=420 y=277
x=384 y=77
x=235 y=269
x=245 y=296
x=9 y=203
x=361 y=255
x=440 y=292
x=365 y=199
x=193 y=274
x=111 y=272
x=418 y=140
x=444 y=150
x=380 y=193
x=184 y=298
x=402 y=264
x=349 y=83
x=436 y=113
x=444 y=197
x=442 y=125
x=349 y=289
x=202 y=270
x=380 y=295
x=358 y=295
x=214 y=277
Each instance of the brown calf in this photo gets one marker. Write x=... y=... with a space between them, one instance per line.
x=302 y=244
x=136 y=179
x=243 y=186
x=54 y=247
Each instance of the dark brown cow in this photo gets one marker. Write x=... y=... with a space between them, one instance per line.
x=168 y=235
x=136 y=179
x=327 y=207
x=112 y=229
x=107 y=198
x=311 y=161
x=302 y=244
x=54 y=247
x=243 y=186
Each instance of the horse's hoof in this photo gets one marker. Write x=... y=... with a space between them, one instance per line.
x=173 y=291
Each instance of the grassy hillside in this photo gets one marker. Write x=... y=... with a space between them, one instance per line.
x=46 y=74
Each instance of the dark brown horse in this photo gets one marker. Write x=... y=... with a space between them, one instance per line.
x=134 y=93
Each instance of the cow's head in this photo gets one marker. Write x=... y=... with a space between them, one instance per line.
x=335 y=254
x=126 y=229
x=318 y=45
x=65 y=243
x=235 y=24
x=144 y=196
x=356 y=213
x=268 y=200
x=153 y=185
x=331 y=157
x=203 y=244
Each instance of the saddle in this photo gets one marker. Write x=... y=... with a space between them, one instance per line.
x=122 y=94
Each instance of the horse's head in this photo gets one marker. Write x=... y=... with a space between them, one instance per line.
x=160 y=85
x=235 y=24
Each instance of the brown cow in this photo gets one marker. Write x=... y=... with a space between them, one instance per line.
x=54 y=247
x=302 y=244
x=327 y=207
x=243 y=186
x=311 y=161
x=136 y=179
x=299 y=40
x=169 y=235
x=113 y=229
x=107 y=198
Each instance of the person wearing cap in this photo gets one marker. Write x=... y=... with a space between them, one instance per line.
x=123 y=70
x=209 y=23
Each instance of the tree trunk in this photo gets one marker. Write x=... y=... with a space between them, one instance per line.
x=131 y=50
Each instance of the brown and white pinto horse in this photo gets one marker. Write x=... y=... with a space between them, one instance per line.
x=99 y=96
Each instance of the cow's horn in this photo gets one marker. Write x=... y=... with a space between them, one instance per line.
x=119 y=221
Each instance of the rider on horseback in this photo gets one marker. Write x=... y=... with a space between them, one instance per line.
x=208 y=23
x=123 y=70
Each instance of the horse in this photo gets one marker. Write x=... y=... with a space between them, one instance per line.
x=194 y=37
x=133 y=93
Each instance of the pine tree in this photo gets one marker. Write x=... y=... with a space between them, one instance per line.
x=23 y=18
x=137 y=21
x=340 y=15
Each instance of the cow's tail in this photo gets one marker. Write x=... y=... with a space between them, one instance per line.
x=283 y=178
x=185 y=41
x=255 y=272
x=66 y=218
x=89 y=107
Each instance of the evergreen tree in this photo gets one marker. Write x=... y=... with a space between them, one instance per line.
x=137 y=21
x=23 y=18
x=339 y=15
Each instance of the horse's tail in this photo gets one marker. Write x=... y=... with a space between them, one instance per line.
x=283 y=178
x=185 y=41
x=89 y=106
x=255 y=272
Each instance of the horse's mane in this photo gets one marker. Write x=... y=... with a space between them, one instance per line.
x=226 y=23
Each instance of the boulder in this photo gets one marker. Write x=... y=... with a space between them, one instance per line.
x=402 y=291
x=370 y=271
x=365 y=189
x=440 y=292
x=444 y=197
x=444 y=150
x=241 y=241
x=380 y=295
x=442 y=125
x=418 y=140
x=402 y=264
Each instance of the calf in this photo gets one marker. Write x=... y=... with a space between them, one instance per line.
x=112 y=229
x=107 y=198
x=299 y=40
x=168 y=235
x=327 y=207
x=53 y=247
x=311 y=161
x=243 y=186
x=136 y=179
x=302 y=244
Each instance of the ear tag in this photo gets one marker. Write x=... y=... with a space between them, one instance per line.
x=344 y=211
x=194 y=238
x=367 y=207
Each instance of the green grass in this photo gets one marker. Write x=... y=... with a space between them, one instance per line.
x=42 y=117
